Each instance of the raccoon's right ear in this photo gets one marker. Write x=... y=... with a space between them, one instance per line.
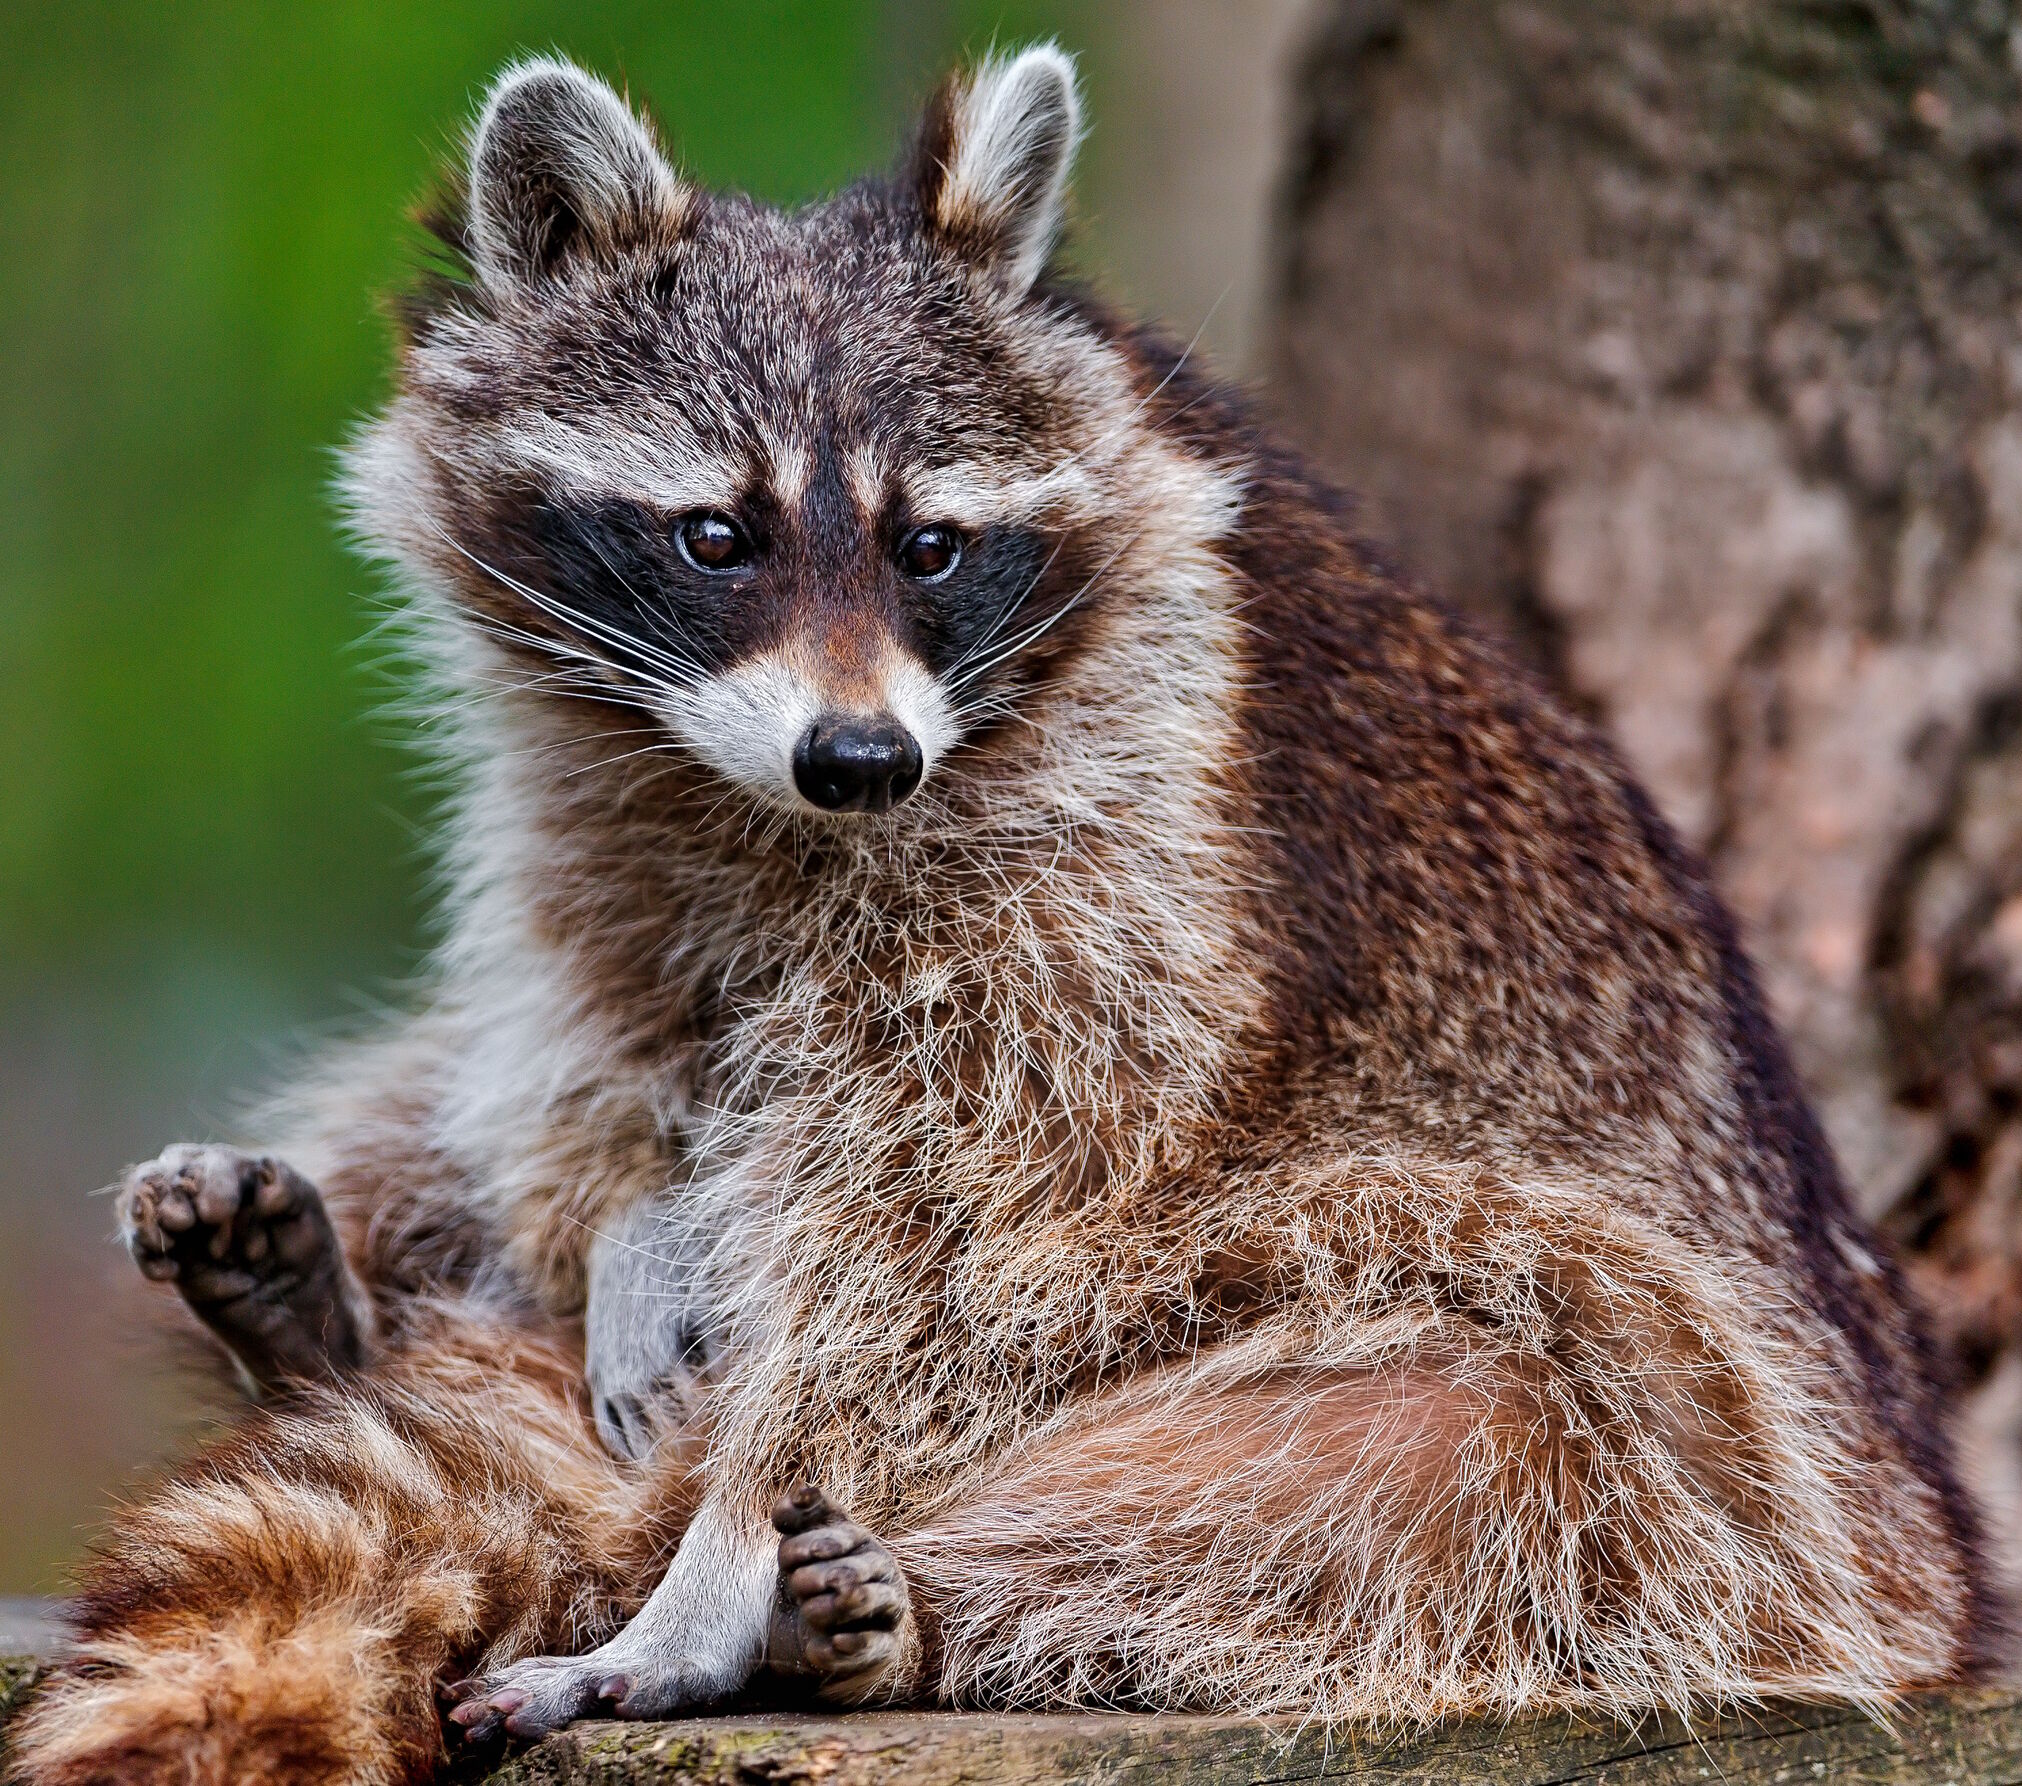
x=992 y=158
x=560 y=165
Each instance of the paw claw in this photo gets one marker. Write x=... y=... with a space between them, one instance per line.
x=626 y=1426
x=802 y=1510
x=483 y=1728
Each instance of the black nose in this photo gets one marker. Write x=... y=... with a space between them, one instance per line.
x=856 y=765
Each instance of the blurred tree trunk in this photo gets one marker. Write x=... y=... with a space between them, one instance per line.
x=1680 y=339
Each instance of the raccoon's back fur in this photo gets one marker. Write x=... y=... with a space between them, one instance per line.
x=1254 y=1162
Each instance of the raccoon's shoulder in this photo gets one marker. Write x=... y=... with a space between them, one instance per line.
x=1459 y=876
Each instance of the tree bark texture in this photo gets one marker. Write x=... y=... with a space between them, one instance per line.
x=1680 y=340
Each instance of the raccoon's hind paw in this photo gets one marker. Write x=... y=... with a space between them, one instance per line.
x=844 y=1613
x=531 y=1698
x=630 y=1677
x=250 y=1246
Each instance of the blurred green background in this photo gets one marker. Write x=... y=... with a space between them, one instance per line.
x=210 y=831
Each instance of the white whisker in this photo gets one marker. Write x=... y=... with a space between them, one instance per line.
x=673 y=675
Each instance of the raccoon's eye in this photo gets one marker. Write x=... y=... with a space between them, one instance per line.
x=928 y=554
x=711 y=541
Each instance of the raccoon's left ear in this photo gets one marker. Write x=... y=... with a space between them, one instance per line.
x=992 y=160
x=559 y=165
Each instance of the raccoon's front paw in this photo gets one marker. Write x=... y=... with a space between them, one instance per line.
x=250 y=1246
x=844 y=1612
x=645 y=1357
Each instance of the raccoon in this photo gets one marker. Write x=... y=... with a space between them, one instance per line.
x=1133 y=1115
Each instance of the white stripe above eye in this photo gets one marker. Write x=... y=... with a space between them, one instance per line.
x=661 y=471
x=976 y=494
x=791 y=466
x=864 y=470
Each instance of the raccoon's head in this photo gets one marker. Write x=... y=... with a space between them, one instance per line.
x=810 y=498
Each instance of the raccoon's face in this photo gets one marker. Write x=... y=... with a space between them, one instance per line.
x=815 y=496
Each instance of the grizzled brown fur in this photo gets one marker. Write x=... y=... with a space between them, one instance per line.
x=1263 y=1185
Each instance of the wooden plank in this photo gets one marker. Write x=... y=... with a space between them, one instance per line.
x=1968 y=1739
x=1963 y=1740
x=17 y=1675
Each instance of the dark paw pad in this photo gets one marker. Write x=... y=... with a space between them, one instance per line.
x=844 y=1597
x=250 y=1246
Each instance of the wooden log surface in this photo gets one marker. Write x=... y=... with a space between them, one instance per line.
x=17 y=1675
x=1961 y=1740
x=1964 y=1739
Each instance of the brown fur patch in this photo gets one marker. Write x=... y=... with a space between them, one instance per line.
x=285 y=1609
